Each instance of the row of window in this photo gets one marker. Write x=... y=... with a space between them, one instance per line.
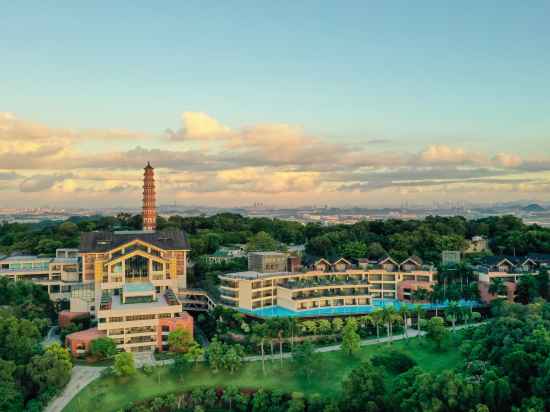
x=131 y=318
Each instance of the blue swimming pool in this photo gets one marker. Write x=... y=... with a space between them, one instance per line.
x=277 y=311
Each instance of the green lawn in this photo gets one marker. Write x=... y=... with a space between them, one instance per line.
x=108 y=394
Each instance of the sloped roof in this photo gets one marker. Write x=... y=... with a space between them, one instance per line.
x=102 y=241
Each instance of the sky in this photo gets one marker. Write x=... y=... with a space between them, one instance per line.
x=356 y=103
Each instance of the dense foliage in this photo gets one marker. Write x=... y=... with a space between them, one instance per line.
x=29 y=374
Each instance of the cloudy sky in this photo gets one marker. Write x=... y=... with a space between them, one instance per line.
x=286 y=103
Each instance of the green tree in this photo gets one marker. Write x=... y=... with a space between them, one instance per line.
x=233 y=358
x=305 y=360
x=363 y=390
x=497 y=287
x=11 y=397
x=389 y=316
x=436 y=331
x=543 y=283
x=124 y=365
x=453 y=312
x=179 y=340
x=377 y=321
x=214 y=355
x=354 y=250
x=194 y=353
x=337 y=324
x=350 y=338
x=297 y=403
x=52 y=369
x=526 y=290
x=262 y=242
x=103 y=348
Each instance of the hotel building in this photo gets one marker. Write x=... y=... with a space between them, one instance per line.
x=325 y=285
x=135 y=277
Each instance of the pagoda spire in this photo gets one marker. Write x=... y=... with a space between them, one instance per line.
x=149 y=199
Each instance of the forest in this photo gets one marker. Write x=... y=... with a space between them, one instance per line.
x=426 y=238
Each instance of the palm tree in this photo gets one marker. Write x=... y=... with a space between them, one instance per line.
x=260 y=332
x=497 y=287
x=390 y=316
x=404 y=312
x=292 y=324
x=419 y=312
x=377 y=320
x=453 y=312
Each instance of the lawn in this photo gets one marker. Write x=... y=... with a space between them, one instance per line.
x=108 y=394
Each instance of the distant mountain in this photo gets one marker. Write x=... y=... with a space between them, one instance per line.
x=533 y=207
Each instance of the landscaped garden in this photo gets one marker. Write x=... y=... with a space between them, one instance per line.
x=109 y=394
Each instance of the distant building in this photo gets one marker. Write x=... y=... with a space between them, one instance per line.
x=478 y=244
x=267 y=262
x=450 y=257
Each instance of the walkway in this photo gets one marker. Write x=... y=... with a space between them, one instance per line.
x=80 y=377
x=83 y=375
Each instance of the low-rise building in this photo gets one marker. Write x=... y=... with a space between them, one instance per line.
x=326 y=285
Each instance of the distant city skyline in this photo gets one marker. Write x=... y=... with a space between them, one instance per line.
x=280 y=103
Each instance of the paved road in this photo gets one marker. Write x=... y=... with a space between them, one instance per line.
x=83 y=375
x=80 y=377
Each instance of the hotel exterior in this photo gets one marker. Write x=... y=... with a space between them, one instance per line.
x=134 y=278
x=325 y=285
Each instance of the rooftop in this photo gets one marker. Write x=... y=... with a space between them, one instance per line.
x=116 y=304
x=103 y=241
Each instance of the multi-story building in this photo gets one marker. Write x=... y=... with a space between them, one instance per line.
x=268 y=262
x=509 y=269
x=58 y=274
x=134 y=278
x=325 y=285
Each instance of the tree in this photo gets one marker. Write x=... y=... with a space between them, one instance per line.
x=337 y=324
x=395 y=361
x=436 y=331
x=124 y=365
x=497 y=287
x=526 y=290
x=305 y=360
x=453 y=311
x=233 y=358
x=194 y=353
x=11 y=397
x=350 y=338
x=543 y=285
x=405 y=312
x=179 y=340
x=389 y=316
x=102 y=348
x=377 y=320
x=52 y=369
x=419 y=312
x=214 y=355
x=262 y=241
x=363 y=390
x=354 y=250
x=259 y=331
x=297 y=403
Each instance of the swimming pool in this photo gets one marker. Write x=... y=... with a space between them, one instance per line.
x=277 y=311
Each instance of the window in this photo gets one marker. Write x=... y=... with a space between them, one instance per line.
x=137 y=268
x=165 y=315
x=157 y=266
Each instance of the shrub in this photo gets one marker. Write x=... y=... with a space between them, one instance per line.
x=393 y=360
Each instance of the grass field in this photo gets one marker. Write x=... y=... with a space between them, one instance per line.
x=108 y=394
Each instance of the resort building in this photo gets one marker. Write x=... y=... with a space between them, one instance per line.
x=509 y=269
x=131 y=281
x=59 y=275
x=478 y=244
x=325 y=285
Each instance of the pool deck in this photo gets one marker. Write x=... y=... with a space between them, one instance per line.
x=277 y=311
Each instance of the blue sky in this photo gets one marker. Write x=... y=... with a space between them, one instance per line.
x=467 y=74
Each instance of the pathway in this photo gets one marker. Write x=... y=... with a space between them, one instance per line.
x=80 y=377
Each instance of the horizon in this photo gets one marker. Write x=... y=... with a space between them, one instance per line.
x=368 y=105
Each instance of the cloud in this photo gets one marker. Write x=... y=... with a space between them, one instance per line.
x=198 y=125
x=39 y=183
x=206 y=158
